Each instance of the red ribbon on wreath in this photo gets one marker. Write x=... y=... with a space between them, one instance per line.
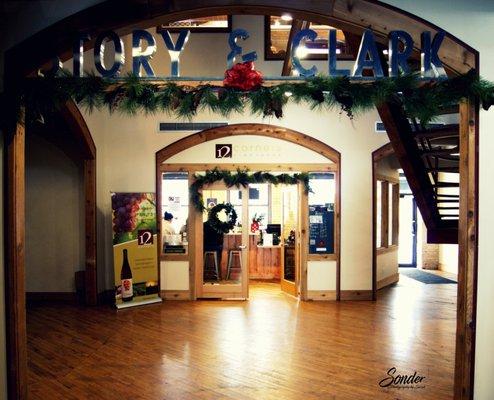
x=243 y=76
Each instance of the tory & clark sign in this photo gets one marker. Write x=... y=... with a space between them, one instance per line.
x=144 y=46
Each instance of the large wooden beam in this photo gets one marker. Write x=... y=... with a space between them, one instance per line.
x=15 y=303
x=467 y=262
x=90 y=231
x=407 y=152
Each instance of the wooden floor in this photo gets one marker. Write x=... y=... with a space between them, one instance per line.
x=270 y=347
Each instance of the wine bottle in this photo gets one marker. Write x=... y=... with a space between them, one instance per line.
x=126 y=277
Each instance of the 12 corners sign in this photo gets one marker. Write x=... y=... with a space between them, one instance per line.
x=144 y=47
x=223 y=151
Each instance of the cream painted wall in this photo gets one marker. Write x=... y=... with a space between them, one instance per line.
x=54 y=218
x=448 y=258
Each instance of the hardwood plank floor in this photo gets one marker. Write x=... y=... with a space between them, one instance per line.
x=270 y=347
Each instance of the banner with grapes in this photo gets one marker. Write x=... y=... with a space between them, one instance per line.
x=135 y=248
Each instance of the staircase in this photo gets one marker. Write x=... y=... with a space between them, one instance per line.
x=430 y=161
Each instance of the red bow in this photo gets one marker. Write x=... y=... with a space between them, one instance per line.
x=243 y=76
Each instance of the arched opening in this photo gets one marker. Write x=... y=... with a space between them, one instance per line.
x=293 y=262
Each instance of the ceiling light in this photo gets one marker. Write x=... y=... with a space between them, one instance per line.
x=286 y=17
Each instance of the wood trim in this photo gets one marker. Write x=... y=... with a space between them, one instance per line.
x=322 y=295
x=174 y=257
x=194 y=167
x=382 y=152
x=384 y=250
x=175 y=294
x=467 y=260
x=389 y=179
x=382 y=283
x=191 y=238
x=303 y=223
x=356 y=295
x=322 y=257
x=395 y=225
x=384 y=214
x=14 y=229
x=277 y=132
x=58 y=297
x=90 y=279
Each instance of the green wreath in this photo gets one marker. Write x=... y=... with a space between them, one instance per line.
x=222 y=226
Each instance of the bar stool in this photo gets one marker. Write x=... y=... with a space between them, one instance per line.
x=211 y=269
x=236 y=268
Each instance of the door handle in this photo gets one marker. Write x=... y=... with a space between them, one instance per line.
x=241 y=247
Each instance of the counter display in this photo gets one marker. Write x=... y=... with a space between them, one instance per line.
x=264 y=261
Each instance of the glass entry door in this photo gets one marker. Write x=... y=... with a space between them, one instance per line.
x=407 y=252
x=223 y=265
x=290 y=259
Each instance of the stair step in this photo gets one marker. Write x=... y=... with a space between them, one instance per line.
x=448 y=201
x=442 y=152
x=448 y=208
x=446 y=184
x=444 y=169
x=448 y=195
x=443 y=131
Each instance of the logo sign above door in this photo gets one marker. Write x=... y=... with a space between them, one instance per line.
x=144 y=47
x=223 y=151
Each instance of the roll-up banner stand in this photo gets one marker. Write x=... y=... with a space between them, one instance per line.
x=134 y=249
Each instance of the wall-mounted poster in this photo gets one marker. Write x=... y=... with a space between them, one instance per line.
x=134 y=249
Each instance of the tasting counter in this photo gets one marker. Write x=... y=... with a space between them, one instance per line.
x=264 y=261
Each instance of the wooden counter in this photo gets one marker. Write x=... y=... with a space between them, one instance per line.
x=264 y=262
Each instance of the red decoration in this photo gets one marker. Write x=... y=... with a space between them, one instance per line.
x=243 y=76
x=254 y=226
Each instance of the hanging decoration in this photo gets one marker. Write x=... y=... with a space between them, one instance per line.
x=243 y=76
x=241 y=178
x=422 y=100
x=216 y=223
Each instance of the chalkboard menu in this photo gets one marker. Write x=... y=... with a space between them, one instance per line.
x=321 y=229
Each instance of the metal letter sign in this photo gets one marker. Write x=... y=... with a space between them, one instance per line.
x=368 y=56
x=431 y=65
x=140 y=57
x=308 y=34
x=99 y=54
x=236 y=50
x=398 y=60
x=78 y=54
x=333 y=71
x=175 y=49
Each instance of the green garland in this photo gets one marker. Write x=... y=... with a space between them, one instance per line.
x=240 y=178
x=216 y=223
x=422 y=99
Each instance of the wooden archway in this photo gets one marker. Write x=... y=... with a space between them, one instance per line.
x=263 y=130
x=273 y=131
x=123 y=16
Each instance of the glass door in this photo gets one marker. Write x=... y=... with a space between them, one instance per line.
x=407 y=251
x=290 y=259
x=224 y=236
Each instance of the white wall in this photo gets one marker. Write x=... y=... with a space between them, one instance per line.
x=448 y=258
x=54 y=218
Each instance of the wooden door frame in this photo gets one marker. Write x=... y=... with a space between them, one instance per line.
x=264 y=130
x=26 y=57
